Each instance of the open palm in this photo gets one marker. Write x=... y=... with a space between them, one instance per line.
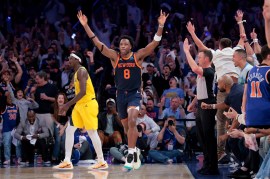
x=82 y=18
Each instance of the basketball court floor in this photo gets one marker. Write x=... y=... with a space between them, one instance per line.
x=147 y=171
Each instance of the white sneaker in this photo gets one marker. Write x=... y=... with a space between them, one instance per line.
x=129 y=162
x=137 y=161
x=7 y=162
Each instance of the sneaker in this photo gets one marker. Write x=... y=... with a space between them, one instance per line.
x=137 y=162
x=99 y=165
x=129 y=162
x=169 y=161
x=239 y=174
x=64 y=166
x=234 y=165
x=75 y=156
x=19 y=160
x=23 y=163
x=7 y=162
x=47 y=162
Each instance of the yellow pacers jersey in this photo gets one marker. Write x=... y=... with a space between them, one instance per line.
x=90 y=92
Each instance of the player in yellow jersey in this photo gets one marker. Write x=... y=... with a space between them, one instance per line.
x=84 y=114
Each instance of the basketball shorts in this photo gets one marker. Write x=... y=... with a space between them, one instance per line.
x=126 y=100
x=84 y=115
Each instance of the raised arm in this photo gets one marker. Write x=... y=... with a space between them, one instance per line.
x=239 y=19
x=144 y=52
x=266 y=15
x=198 y=42
x=257 y=47
x=18 y=76
x=194 y=67
x=111 y=54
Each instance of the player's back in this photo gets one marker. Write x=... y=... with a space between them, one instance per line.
x=258 y=96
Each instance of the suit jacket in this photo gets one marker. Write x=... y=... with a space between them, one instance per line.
x=24 y=129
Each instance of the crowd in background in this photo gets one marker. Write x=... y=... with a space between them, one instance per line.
x=36 y=39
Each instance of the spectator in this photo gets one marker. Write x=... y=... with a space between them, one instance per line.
x=240 y=60
x=11 y=118
x=173 y=91
x=110 y=129
x=23 y=104
x=161 y=81
x=83 y=148
x=32 y=134
x=152 y=110
x=5 y=78
x=45 y=96
x=60 y=125
x=147 y=77
x=175 y=110
x=169 y=138
x=151 y=130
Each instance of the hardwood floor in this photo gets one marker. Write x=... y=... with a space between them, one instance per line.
x=147 y=171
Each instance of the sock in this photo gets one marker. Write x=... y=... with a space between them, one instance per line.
x=131 y=150
x=69 y=141
x=97 y=144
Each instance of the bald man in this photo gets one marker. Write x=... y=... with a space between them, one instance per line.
x=233 y=100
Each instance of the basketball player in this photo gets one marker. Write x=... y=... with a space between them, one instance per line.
x=127 y=65
x=256 y=101
x=84 y=114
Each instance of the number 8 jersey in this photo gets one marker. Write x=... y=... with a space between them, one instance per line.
x=128 y=73
x=258 y=96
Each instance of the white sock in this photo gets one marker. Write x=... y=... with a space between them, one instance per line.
x=97 y=144
x=69 y=141
x=131 y=150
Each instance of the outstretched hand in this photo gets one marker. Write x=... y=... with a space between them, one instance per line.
x=239 y=15
x=82 y=18
x=190 y=27
x=162 y=18
x=186 y=46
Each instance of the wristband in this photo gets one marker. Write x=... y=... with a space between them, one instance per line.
x=246 y=41
x=157 y=38
x=255 y=40
x=160 y=26
x=241 y=22
x=92 y=37
x=58 y=125
x=214 y=106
